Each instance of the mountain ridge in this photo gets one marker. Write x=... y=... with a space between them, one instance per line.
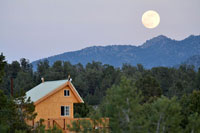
x=194 y=61
x=158 y=51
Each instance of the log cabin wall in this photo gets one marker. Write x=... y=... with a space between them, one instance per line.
x=51 y=106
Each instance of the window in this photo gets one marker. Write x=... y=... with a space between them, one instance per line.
x=66 y=92
x=64 y=110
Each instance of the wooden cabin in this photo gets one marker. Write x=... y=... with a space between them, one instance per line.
x=54 y=99
x=54 y=103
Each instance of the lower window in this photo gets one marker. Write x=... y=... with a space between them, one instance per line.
x=64 y=110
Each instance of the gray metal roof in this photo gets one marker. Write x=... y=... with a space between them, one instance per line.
x=43 y=89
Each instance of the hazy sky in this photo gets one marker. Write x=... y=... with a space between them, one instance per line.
x=35 y=29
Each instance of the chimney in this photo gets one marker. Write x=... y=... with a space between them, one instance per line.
x=69 y=79
x=42 y=80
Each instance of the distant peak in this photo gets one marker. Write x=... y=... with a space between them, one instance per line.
x=156 y=40
x=159 y=38
x=192 y=37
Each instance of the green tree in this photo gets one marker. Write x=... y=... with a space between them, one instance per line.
x=84 y=126
x=190 y=110
x=193 y=123
x=23 y=82
x=194 y=102
x=15 y=112
x=95 y=124
x=163 y=115
x=56 y=71
x=69 y=69
x=14 y=69
x=110 y=76
x=133 y=72
x=2 y=64
x=25 y=65
x=3 y=112
x=149 y=87
x=42 y=69
x=164 y=76
x=122 y=106
x=177 y=89
x=198 y=80
x=93 y=78
x=81 y=110
x=25 y=111
x=186 y=75
x=54 y=130
x=128 y=70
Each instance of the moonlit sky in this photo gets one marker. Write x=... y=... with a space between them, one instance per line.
x=35 y=29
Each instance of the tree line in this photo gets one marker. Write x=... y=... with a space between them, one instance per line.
x=160 y=99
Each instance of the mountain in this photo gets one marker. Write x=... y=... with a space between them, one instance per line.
x=193 y=60
x=158 y=51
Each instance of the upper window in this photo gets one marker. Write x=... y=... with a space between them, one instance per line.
x=64 y=110
x=66 y=93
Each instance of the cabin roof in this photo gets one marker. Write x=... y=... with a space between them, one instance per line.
x=45 y=88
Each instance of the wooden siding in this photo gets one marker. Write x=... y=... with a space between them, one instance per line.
x=50 y=108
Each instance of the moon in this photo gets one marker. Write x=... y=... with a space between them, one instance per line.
x=150 y=19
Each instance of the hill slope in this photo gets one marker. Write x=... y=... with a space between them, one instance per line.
x=159 y=51
x=193 y=60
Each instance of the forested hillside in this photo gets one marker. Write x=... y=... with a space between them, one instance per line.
x=158 y=51
x=94 y=79
x=134 y=98
x=194 y=60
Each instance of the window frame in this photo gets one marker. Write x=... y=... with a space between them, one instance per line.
x=66 y=90
x=65 y=112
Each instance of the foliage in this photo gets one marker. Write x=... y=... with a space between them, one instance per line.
x=15 y=112
x=135 y=99
x=163 y=115
x=93 y=80
x=39 y=128
x=87 y=126
x=54 y=130
x=122 y=106
x=127 y=113
x=149 y=87
x=193 y=123
x=2 y=64
x=81 y=110
x=198 y=80
x=95 y=123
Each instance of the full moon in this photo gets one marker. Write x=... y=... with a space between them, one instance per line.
x=150 y=19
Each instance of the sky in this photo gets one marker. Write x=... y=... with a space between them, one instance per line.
x=36 y=29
